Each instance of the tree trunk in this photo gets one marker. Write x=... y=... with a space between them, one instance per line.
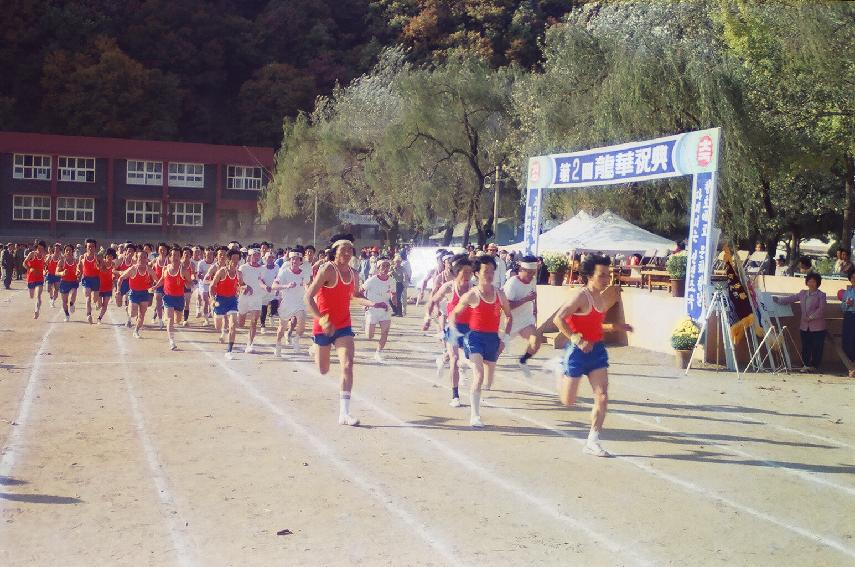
x=482 y=234
x=849 y=208
x=393 y=233
x=449 y=233
x=795 y=246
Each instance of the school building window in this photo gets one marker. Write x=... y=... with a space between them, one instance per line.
x=143 y=212
x=29 y=166
x=186 y=214
x=77 y=169
x=75 y=209
x=144 y=172
x=242 y=177
x=186 y=175
x=30 y=208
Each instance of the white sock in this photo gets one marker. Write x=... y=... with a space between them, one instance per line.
x=594 y=436
x=475 y=403
x=344 y=404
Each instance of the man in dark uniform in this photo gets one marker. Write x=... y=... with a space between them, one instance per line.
x=7 y=264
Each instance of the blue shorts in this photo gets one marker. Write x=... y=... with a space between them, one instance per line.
x=65 y=286
x=140 y=296
x=33 y=285
x=577 y=363
x=124 y=287
x=159 y=289
x=224 y=304
x=485 y=344
x=53 y=279
x=324 y=340
x=174 y=301
x=188 y=290
x=105 y=294
x=92 y=283
x=461 y=342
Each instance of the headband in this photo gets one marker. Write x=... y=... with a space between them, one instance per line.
x=338 y=243
x=294 y=254
x=528 y=265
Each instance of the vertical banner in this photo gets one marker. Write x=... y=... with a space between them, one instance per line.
x=701 y=246
x=531 y=236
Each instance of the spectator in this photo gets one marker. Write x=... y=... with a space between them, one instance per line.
x=847 y=303
x=20 y=254
x=501 y=273
x=812 y=326
x=7 y=264
x=843 y=265
x=805 y=266
x=781 y=267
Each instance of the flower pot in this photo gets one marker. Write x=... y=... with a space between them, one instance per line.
x=682 y=358
x=678 y=288
x=556 y=278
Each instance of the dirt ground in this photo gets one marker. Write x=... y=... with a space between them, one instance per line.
x=117 y=451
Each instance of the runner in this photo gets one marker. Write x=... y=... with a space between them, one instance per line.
x=291 y=281
x=35 y=265
x=269 y=303
x=105 y=283
x=581 y=320
x=188 y=264
x=67 y=270
x=203 y=294
x=123 y=288
x=174 y=281
x=158 y=264
x=451 y=292
x=328 y=301
x=224 y=289
x=379 y=289
x=90 y=267
x=483 y=342
x=252 y=298
x=140 y=277
x=521 y=291
x=53 y=279
x=221 y=261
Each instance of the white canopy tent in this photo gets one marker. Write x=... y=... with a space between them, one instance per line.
x=559 y=238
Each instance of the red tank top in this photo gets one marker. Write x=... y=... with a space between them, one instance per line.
x=465 y=315
x=173 y=284
x=89 y=268
x=335 y=302
x=123 y=266
x=158 y=269
x=590 y=325
x=227 y=287
x=140 y=282
x=51 y=266
x=36 y=270
x=69 y=272
x=106 y=275
x=485 y=316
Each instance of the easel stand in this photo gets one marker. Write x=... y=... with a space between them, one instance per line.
x=718 y=306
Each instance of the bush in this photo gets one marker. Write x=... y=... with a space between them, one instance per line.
x=556 y=262
x=676 y=266
x=685 y=335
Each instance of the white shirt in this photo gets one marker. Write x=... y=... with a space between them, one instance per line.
x=251 y=275
x=377 y=290
x=515 y=290
x=292 y=299
x=267 y=276
x=500 y=275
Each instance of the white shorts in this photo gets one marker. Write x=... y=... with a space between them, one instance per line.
x=247 y=303
x=375 y=315
x=205 y=288
x=520 y=325
x=288 y=311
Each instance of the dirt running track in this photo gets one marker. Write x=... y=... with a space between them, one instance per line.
x=117 y=451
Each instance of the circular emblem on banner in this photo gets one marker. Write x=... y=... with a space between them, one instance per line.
x=534 y=171
x=704 y=152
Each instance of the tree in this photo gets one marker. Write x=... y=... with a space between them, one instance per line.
x=275 y=91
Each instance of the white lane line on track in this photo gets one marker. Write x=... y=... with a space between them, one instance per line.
x=16 y=435
x=688 y=485
x=544 y=505
x=181 y=541
x=420 y=528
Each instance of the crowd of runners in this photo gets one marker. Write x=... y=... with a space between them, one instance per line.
x=476 y=306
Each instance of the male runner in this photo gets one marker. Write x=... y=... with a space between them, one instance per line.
x=105 y=284
x=187 y=264
x=140 y=277
x=203 y=294
x=90 y=267
x=69 y=282
x=221 y=261
x=292 y=281
x=380 y=289
x=486 y=303
x=174 y=281
x=123 y=287
x=328 y=301
x=35 y=266
x=224 y=289
x=158 y=264
x=252 y=298
x=521 y=291
x=581 y=320
x=268 y=275
x=53 y=279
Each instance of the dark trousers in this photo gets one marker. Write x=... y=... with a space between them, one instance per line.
x=849 y=335
x=813 y=343
x=398 y=309
x=7 y=277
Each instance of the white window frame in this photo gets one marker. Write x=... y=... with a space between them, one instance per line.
x=137 y=208
x=184 y=213
x=142 y=172
x=186 y=174
x=18 y=207
x=81 y=209
x=77 y=169
x=39 y=167
x=242 y=178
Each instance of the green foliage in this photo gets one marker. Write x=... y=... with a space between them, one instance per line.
x=676 y=266
x=685 y=335
x=556 y=262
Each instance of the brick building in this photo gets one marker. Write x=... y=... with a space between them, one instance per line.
x=76 y=187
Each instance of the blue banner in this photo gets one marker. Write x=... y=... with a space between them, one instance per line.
x=701 y=245
x=533 y=203
x=634 y=163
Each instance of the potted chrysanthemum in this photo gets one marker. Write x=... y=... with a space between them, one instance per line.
x=683 y=340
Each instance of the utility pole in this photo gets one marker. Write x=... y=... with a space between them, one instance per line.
x=315 y=227
x=496 y=207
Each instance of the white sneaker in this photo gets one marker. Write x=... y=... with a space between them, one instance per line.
x=313 y=349
x=229 y=355
x=53 y=302
x=71 y=308
x=440 y=363
x=347 y=420
x=297 y=348
x=67 y=318
x=161 y=324
x=524 y=367
x=476 y=422
x=172 y=345
x=198 y=313
x=594 y=448
x=277 y=351
x=455 y=402
x=137 y=334
x=379 y=357
x=249 y=349
x=261 y=330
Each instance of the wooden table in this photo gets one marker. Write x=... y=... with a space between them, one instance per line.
x=658 y=278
